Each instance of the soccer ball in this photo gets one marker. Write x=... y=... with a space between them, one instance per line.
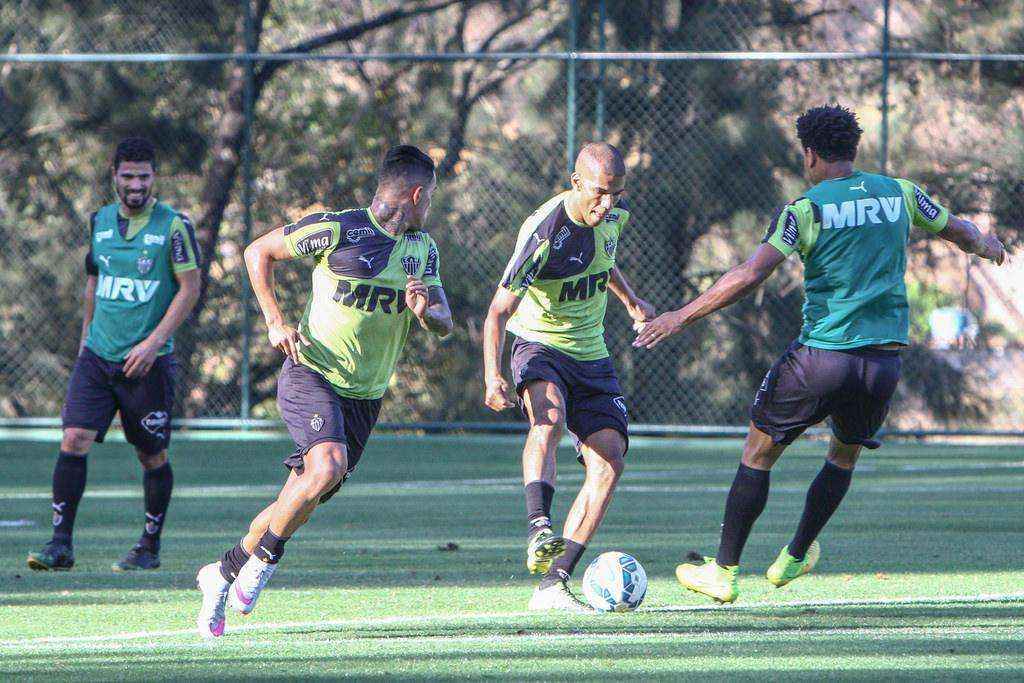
x=615 y=582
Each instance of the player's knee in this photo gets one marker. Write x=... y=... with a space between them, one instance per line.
x=77 y=441
x=608 y=468
x=547 y=432
x=324 y=469
x=151 y=461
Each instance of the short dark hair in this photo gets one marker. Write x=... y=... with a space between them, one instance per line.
x=831 y=131
x=135 y=149
x=405 y=163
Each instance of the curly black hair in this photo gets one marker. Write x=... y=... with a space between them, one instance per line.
x=831 y=131
x=134 y=149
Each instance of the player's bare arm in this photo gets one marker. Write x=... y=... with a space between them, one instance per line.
x=638 y=309
x=142 y=356
x=260 y=257
x=430 y=306
x=88 y=308
x=497 y=393
x=730 y=288
x=971 y=240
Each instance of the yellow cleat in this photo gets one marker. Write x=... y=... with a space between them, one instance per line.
x=785 y=568
x=710 y=579
x=543 y=548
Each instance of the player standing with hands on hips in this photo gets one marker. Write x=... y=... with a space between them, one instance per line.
x=142 y=282
x=553 y=297
x=850 y=230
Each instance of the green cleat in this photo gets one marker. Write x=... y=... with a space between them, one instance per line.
x=55 y=556
x=785 y=568
x=710 y=579
x=543 y=548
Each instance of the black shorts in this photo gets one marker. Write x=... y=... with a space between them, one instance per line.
x=853 y=387
x=98 y=389
x=314 y=413
x=593 y=398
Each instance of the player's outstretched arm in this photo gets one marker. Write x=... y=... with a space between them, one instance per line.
x=430 y=306
x=639 y=310
x=497 y=394
x=971 y=240
x=260 y=257
x=729 y=289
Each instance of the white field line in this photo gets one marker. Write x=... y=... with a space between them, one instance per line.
x=456 y=619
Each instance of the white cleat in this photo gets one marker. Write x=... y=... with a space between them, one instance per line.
x=558 y=597
x=210 y=620
x=252 y=578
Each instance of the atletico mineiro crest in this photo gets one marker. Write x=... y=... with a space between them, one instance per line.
x=411 y=264
x=316 y=422
x=144 y=263
x=609 y=246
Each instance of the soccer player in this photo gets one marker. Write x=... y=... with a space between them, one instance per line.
x=375 y=272
x=142 y=281
x=553 y=297
x=850 y=230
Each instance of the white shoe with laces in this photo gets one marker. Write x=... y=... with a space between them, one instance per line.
x=210 y=620
x=558 y=597
x=252 y=578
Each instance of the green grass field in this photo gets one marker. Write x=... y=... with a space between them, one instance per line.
x=921 y=572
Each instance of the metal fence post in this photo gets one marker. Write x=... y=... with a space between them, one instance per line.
x=602 y=16
x=247 y=183
x=570 y=74
x=883 y=152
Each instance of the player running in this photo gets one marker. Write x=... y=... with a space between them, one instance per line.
x=375 y=271
x=850 y=230
x=142 y=281
x=552 y=297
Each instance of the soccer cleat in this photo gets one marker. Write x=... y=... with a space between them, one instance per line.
x=210 y=620
x=558 y=597
x=710 y=579
x=139 y=557
x=55 y=555
x=785 y=568
x=251 y=579
x=542 y=550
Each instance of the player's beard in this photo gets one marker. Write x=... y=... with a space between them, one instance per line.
x=135 y=200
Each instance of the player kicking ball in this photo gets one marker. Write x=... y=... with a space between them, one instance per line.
x=375 y=272
x=553 y=297
x=850 y=230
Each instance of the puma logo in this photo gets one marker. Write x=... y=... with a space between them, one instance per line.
x=368 y=260
x=105 y=259
x=270 y=556
x=578 y=259
x=859 y=187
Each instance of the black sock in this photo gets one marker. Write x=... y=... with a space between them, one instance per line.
x=538 y=506
x=156 y=484
x=823 y=497
x=744 y=505
x=270 y=547
x=68 y=486
x=564 y=565
x=232 y=562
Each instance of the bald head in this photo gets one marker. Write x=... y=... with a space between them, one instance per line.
x=600 y=158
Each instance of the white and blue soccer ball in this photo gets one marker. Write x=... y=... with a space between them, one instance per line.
x=615 y=582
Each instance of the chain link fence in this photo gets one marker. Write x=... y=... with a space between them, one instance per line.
x=265 y=111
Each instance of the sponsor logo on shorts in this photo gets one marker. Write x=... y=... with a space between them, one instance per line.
x=620 y=403
x=926 y=205
x=144 y=263
x=154 y=239
x=155 y=423
x=104 y=235
x=791 y=232
x=356 y=234
x=316 y=422
x=609 y=246
x=560 y=237
x=311 y=244
x=411 y=265
x=58 y=513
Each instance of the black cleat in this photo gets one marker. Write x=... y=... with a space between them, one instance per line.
x=139 y=557
x=55 y=555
